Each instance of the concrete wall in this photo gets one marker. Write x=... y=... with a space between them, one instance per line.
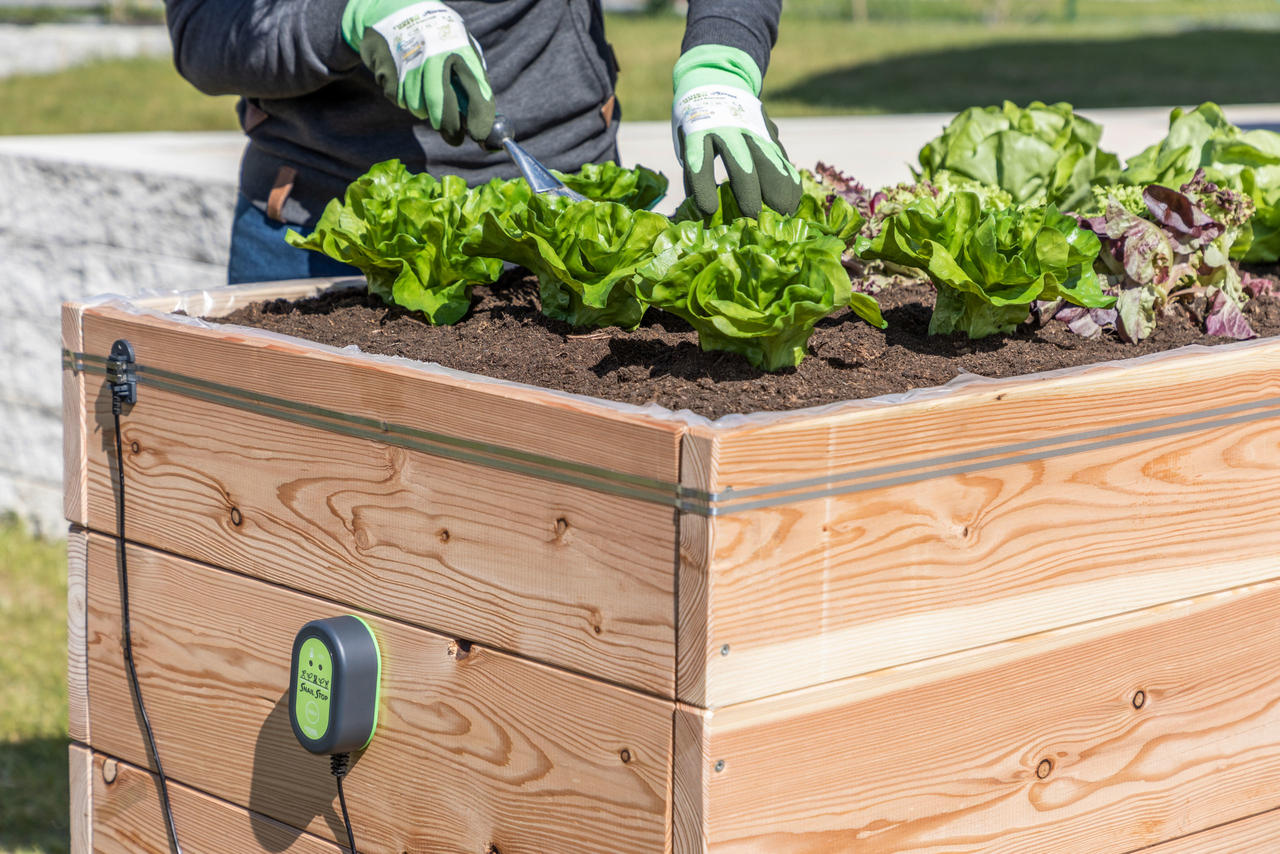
x=69 y=230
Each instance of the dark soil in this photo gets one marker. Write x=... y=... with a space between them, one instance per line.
x=506 y=336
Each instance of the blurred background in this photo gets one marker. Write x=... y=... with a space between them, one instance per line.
x=115 y=175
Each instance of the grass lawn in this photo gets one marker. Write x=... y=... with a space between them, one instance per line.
x=820 y=66
x=33 y=713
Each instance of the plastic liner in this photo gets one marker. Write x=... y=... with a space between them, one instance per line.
x=197 y=304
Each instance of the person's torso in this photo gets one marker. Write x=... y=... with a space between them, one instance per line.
x=552 y=74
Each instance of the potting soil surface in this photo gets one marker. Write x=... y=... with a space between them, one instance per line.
x=506 y=336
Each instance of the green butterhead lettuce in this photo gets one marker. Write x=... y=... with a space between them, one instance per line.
x=1039 y=154
x=752 y=287
x=405 y=232
x=989 y=266
x=585 y=255
x=826 y=213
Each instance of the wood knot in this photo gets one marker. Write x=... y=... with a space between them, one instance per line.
x=443 y=535
x=491 y=849
x=562 y=528
x=459 y=649
x=625 y=756
x=237 y=518
x=1045 y=768
x=109 y=771
x=134 y=447
x=1139 y=699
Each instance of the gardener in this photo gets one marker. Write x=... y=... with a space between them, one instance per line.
x=312 y=76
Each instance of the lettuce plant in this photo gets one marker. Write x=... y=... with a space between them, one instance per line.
x=585 y=255
x=825 y=213
x=406 y=231
x=1039 y=154
x=1245 y=161
x=1179 y=247
x=754 y=287
x=990 y=265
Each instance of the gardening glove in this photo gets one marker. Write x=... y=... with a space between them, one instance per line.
x=717 y=111
x=426 y=61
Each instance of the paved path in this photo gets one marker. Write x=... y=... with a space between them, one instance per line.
x=52 y=47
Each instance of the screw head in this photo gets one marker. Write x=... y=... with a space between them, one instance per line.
x=719 y=766
x=724 y=650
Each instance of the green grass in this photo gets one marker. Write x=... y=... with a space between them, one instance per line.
x=33 y=712
x=108 y=96
x=820 y=66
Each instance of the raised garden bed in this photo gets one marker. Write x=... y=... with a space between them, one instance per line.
x=1039 y=613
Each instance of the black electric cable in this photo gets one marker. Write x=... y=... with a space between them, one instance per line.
x=127 y=631
x=339 y=764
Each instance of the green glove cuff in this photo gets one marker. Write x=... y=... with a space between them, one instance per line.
x=716 y=65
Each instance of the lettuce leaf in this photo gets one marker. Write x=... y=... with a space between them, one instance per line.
x=1039 y=154
x=585 y=255
x=753 y=287
x=990 y=265
x=638 y=188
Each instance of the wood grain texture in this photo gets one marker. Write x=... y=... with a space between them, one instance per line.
x=473 y=748
x=690 y=770
x=988 y=414
x=129 y=820
x=77 y=637
x=1254 y=835
x=80 y=778
x=831 y=587
x=693 y=565
x=400 y=392
x=556 y=573
x=75 y=423
x=1040 y=744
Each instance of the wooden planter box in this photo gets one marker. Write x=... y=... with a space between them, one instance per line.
x=1036 y=615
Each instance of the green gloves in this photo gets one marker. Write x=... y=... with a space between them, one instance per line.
x=426 y=61
x=717 y=111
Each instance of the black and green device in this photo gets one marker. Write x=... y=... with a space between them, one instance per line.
x=333 y=685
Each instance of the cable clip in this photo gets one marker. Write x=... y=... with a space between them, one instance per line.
x=122 y=375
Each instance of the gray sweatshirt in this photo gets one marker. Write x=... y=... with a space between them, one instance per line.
x=316 y=119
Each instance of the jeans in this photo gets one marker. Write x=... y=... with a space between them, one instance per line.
x=259 y=253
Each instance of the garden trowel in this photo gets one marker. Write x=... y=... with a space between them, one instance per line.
x=538 y=176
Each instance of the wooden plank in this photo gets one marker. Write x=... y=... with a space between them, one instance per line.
x=74 y=421
x=77 y=638
x=405 y=393
x=80 y=777
x=690 y=769
x=128 y=819
x=474 y=747
x=553 y=572
x=834 y=586
x=697 y=539
x=997 y=413
x=1257 y=833
x=1102 y=738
